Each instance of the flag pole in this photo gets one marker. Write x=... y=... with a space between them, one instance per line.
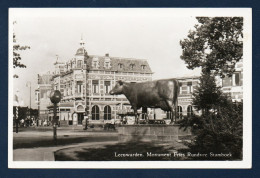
x=16 y=118
x=30 y=101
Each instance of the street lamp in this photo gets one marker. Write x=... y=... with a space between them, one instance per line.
x=28 y=84
x=37 y=92
x=55 y=98
x=86 y=85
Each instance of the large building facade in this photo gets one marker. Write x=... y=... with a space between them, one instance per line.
x=85 y=82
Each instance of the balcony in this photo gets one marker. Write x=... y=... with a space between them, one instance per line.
x=78 y=95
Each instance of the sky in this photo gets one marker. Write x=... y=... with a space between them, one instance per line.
x=152 y=34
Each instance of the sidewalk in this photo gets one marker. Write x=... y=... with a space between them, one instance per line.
x=34 y=133
x=47 y=153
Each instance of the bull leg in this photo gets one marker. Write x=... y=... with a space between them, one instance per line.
x=144 y=113
x=173 y=110
x=135 y=112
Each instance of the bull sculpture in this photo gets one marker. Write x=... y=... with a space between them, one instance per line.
x=152 y=94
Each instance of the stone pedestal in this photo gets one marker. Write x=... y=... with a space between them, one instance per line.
x=151 y=132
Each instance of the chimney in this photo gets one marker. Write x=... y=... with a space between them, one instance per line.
x=107 y=54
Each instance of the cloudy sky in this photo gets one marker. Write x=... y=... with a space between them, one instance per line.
x=151 y=34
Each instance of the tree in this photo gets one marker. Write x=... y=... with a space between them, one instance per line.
x=208 y=96
x=219 y=129
x=16 y=55
x=215 y=45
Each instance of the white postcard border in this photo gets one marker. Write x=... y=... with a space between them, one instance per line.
x=246 y=163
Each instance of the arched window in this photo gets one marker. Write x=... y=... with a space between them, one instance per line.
x=95 y=112
x=179 y=112
x=189 y=111
x=80 y=108
x=107 y=113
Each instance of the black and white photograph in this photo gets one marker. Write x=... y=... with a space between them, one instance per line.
x=130 y=88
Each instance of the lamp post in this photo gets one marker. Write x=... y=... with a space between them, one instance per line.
x=37 y=93
x=28 y=84
x=55 y=98
x=86 y=85
x=17 y=103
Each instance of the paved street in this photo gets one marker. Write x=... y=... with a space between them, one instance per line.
x=37 y=144
x=32 y=144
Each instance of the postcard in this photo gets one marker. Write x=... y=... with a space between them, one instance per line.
x=162 y=88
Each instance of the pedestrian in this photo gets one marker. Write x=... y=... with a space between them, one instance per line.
x=113 y=121
x=112 y=124
x=22 y=123
x=124 y=120
x=86 y=123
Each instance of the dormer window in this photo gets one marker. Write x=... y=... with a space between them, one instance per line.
x=143 y=67
x=107 y=65
x=95 y=63
x=120 y=66
x=132 y=66
x=107 y=62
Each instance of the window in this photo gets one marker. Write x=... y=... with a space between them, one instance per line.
x=169 y=114
x=132 y=66
x=79 y=64
x=236 y=79
x=37 y=96
x=107 y=64
x=184 y=90
x=143 y=67
x=120 y=66
x=179 y=112
x=107 y=86
x=180 y=84
x=189 y=87
x=79 y=87
x=95 y=63
x=107 y=113
x=65 y=91
x=227 y=81
x=95 y=112
x=189 y=111
x=95 y=87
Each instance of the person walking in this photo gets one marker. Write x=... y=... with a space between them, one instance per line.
x=112 y=124
x=86 y=123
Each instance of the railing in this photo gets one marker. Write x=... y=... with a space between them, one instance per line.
x=186 y=95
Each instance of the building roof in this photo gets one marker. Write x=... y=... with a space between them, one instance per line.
x=81 y=51
x=125 y=62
